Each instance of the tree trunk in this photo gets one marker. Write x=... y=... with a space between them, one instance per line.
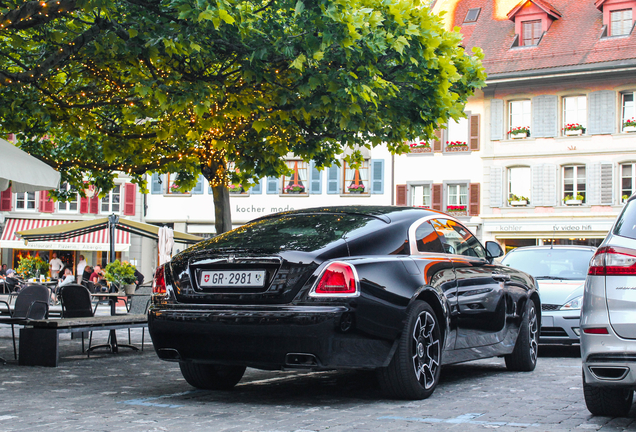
x=214 y=172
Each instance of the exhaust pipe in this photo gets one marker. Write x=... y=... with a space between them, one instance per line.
x=169 y=354
x=611 y=373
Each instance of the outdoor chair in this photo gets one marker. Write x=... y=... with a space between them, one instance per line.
x=76 y=303
x=32 y=303
x=139 y=304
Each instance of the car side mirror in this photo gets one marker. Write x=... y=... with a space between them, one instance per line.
x=494 y=249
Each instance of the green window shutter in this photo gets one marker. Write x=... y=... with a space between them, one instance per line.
x=544 y=116
x=496 y=119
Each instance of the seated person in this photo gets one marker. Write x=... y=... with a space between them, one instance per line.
x=97 y=277
x=88 y=271
x=68 y=278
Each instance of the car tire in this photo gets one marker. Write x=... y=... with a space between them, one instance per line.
x=607 y=401
x=524 y=356
x=415 y=368
x=211 y=377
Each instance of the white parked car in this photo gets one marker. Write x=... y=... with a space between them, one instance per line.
x=560 y=272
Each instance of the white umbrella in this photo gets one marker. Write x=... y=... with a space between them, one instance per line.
x=165 y=244
x=26 y=173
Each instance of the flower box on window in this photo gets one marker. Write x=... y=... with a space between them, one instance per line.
x=456 y=146
x=356 y=189
x=421 y=147
x=235 y=189
x=457 y=210
x=519 y=203
x=519 y=132
x=629 y=125
x=573 y=129
x=569 y=200
x=294 y=189
x=629 y=129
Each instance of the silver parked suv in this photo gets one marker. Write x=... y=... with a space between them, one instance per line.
x=608 y=320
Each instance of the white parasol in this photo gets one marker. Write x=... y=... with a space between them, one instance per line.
x=165 y=244
x=24 y=172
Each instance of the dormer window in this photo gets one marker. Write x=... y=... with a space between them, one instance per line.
x=618 y=16
x=472 y=15
x=621 y=22
x=531 y=33
x=532 y=20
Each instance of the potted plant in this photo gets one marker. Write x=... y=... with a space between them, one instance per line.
x=32 y=267
x=461 y=209
x=573 y=201
x=625 y=198
x=235 y=189
x=518 y=201
x=519 y=132
x=629 y=125
x=456 y=146
x=121 y=274
x=421 y=147
x=573 y=129
x=294 y=189
x=356 y=188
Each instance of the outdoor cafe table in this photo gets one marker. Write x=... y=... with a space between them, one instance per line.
x=112 y=340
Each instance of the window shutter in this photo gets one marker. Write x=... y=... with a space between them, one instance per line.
x=544 y=116
x=333 y=179
x=436 y=196
x=257 y=188
x=83 y=205
x=474 y=132
x=130 y=197
x=400 y=195
x=46 y=203
x=496 y=186
x=537 y=185
x=377 y=176
x=437 y=142
x=549 y=185
x=6 y=200
x=496 y=119
x=593 y=183
x=607 y=183
x=474 y=198
x=156 y=186
x=198 y=188
x=93 y=205
x=315 y=179
x=272 y=185
x=601 y=116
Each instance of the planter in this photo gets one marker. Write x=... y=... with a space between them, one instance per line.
x=629 y=129
x=520 y=203
x=573 y=202
x=519 y=135
x=576 y=132
x=356 y=191
x=130 y=289
x=457 y=149
x=457 y=213
x=421 y=150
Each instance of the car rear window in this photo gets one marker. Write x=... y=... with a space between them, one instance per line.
x=626 y=223
x=557 y=263
x=304 y=232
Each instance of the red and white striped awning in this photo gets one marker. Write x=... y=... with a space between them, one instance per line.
x=92 y=241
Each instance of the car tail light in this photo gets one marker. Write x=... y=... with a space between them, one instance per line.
x=159 y=282
x=596 y=330
x=339 y=279
x=613 y=261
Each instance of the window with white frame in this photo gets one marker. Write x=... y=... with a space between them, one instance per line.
x=574 y=180
x=356 y=180
x=531 y=32
x=25 y=201
x=457 y=131
x=111 y=203
x=457 y=195
x=628 y=113
x=296 y=182
x=421 y=195
x=519 y=184
x=520 y=114
x=574 y=113
x=628 y=180
x=620 y=22
x=69 y=206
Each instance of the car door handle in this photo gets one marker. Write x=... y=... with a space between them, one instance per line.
x=503 y=277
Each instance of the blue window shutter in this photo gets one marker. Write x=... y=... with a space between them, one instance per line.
x=198 y=189
x=315 y=179
x=257 y=188
x=496 y=119
x=333 y=179
x=377 y=176
x=156 y=186
x=272 y=185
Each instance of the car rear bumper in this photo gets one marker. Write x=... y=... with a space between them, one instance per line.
x=608 y=360
x=560 y=327
x=271 y=337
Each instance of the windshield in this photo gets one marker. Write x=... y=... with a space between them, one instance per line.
x=626 y=224
x=551 y=263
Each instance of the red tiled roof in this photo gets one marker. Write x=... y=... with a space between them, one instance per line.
x=573 y=40
x=544 y=5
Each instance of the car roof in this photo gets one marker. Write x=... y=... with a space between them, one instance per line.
x=544 y=247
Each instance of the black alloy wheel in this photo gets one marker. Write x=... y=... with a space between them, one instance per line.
x=526 y=351
x=211 y=377
x=415 y=368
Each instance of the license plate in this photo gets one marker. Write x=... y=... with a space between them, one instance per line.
x=241 y=278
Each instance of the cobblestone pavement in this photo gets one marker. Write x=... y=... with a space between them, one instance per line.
x=135 y=391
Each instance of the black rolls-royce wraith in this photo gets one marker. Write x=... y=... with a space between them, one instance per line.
x=396 y=289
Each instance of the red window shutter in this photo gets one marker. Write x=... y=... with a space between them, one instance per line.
x=400 y=195
x=130 y=196
x=6 y=198
x=83 y=205
x=93 y=205
x=47 y=205
x=437 y=197
x=474 y=132
x=474 y=200
x=437 y=143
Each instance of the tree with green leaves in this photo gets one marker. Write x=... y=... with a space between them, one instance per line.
x=97 y=87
